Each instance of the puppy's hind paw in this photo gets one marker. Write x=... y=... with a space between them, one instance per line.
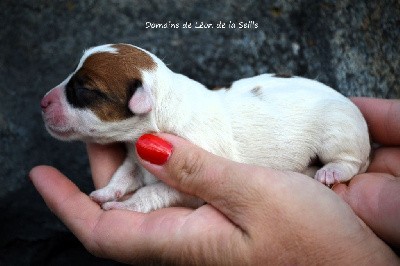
x=328 y=176
x=333 y=173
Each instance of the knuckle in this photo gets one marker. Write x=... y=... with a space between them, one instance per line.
x=189 y=168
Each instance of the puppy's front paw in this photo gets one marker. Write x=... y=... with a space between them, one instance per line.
x=132 y=205
x=153 y=197
x=143 y=200
x=106 y=194
x=114 y=205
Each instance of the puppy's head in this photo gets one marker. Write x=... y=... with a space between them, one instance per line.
x=108 y=95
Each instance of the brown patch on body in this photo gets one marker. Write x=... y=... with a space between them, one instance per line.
x=215 y=88
x=256 y=91
x=282 y=75
x=114 y=75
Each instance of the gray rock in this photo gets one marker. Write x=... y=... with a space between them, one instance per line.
x=352 y=46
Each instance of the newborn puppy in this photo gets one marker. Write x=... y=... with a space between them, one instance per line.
x=119 y=92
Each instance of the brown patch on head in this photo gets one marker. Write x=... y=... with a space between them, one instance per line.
x=114 y=77
x=256 y=91
x=282 y=75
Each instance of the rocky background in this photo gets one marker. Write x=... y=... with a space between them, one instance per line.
x=352 y=46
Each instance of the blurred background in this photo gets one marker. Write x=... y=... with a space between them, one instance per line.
x=353 y=46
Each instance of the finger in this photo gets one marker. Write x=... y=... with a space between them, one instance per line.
x=104 y=161
x=386 y=160
x=73 y=207
x=383 y=119
x=112 y=234
x=218 y=181
x=375 y=198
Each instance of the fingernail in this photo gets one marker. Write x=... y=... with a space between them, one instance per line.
x=153 y=149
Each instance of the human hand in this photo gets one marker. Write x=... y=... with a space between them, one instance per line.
x=254 y=215
x=375 y=195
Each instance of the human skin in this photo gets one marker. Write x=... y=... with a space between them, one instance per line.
x=375 y=195
x=253 y=215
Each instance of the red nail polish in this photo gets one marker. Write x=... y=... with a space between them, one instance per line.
x=153 y=149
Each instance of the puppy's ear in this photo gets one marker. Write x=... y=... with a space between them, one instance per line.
x=141 y=101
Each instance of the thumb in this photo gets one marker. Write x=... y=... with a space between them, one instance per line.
x=192 y=170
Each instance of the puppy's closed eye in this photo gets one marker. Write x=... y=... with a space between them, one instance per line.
x=83 y=97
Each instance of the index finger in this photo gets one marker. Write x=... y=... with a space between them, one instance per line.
x=61 y=195
x=104 y=161
x=383 y=119
x=111 y=234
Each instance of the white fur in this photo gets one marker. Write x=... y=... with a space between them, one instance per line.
x=281 y=123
